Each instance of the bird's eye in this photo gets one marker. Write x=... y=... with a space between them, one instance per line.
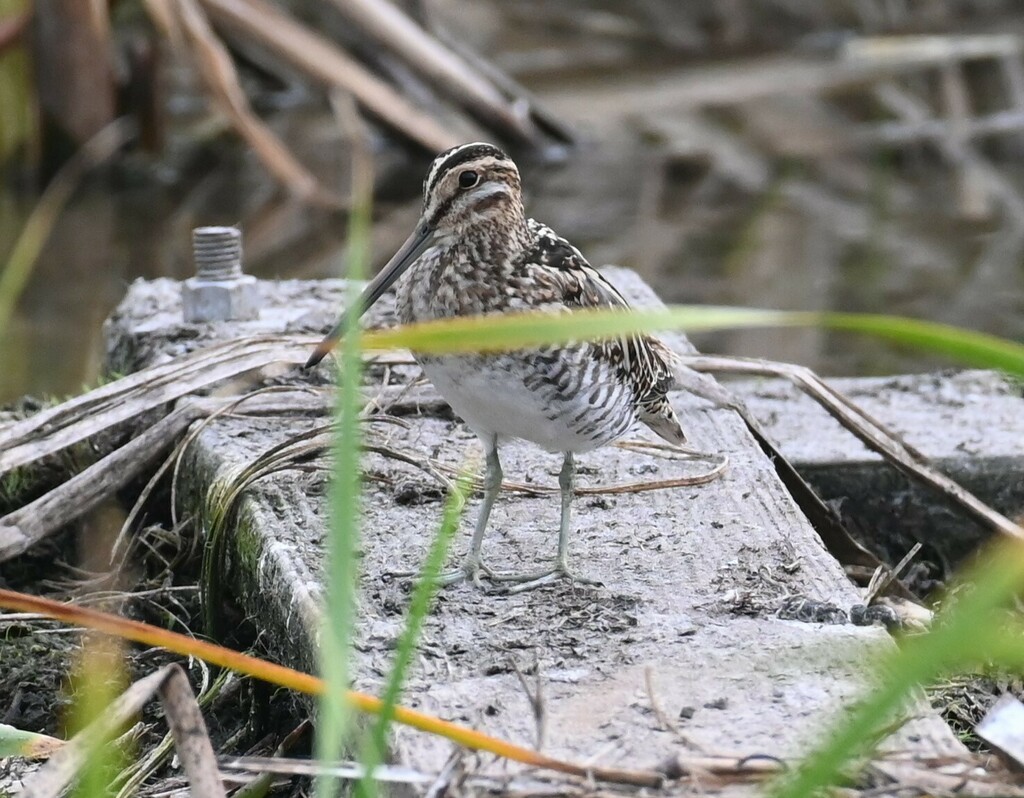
x=468 y=179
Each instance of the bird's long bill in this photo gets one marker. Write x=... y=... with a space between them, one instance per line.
x=413 y=247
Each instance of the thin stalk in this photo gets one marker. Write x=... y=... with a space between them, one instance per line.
x=343 y=540
x=186 y=645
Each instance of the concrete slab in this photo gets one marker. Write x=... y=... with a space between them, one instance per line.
x=691 y=580
x=970 y=424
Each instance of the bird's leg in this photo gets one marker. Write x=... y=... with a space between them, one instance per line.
x=473 y=565
x=566 y=478
x=561 y=570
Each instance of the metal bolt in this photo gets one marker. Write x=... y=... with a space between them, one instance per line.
x=217 y=252
x=219 y=291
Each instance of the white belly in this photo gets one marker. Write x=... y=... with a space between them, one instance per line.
x=490 y=394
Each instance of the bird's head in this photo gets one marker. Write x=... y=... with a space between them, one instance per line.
x=472 y=187
x=469 y=187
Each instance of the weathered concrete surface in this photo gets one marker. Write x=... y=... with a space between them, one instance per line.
x=969 y=424
x=692 y=577
x=148 y=327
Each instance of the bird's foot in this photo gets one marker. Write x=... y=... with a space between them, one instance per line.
x=471 y=570
x=525 y=582
x=474 y=571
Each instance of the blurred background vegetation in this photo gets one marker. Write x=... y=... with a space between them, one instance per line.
x=858 y=155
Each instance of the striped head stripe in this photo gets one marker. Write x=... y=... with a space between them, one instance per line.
x=457 y=156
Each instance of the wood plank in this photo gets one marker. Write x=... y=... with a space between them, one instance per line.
x=692 y=578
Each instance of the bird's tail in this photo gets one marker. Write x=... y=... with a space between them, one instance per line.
x=662 y=419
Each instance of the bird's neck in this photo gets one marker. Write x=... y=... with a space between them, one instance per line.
x=495 y=243
x=466 y=273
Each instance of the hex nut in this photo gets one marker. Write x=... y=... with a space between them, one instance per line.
x=220 y=300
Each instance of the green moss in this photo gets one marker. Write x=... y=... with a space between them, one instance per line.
x=14 y=486
x=248 y=545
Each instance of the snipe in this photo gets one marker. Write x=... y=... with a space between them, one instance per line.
x=475 y=252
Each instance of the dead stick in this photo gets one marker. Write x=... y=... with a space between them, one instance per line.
x=870 y=433
x=322 y=60
x=222 y=83
x=550 y=123
x=392 y=29
x=82 y=417
x=183 y=715
x=56 y=509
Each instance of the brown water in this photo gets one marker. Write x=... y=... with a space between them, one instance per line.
x=760 y=202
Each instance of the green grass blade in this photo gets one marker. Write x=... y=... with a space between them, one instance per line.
x=967 y=634
x=341 y=574
x=505 y=332
x=964 y=346
x=100 y=673
x=375 y=747
x=515 y=331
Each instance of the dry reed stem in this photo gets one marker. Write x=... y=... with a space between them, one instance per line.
x=183 y=716
x=218 y=72
x=323 y=61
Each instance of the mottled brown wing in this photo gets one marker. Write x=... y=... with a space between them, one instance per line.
x=640 y=360
x=556 y=264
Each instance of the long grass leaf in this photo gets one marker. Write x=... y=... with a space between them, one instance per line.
x=965 y=346
x=342 y=572
x=343 y=540
x=516 y=331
